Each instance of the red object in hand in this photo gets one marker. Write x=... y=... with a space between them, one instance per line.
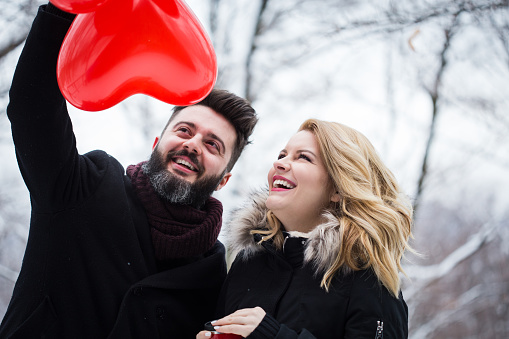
x=117 y=48
x=217 y=335
x=78 y=6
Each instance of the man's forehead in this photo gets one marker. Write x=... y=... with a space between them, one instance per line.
x=207 y=120
x=197 y=113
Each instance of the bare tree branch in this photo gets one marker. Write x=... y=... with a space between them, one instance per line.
x=426 y=275
x=394 y=20
x=434 y=93
x=249 y=95
x=213 y=17
x=25 y=10
x=12 y=45
x=446 y=316
x=502 y=34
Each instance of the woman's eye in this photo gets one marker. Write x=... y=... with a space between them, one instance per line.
x=305 y=157
x=281 y=156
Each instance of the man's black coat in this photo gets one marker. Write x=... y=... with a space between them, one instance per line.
x=89 y=269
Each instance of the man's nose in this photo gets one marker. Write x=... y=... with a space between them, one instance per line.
x=193 y=145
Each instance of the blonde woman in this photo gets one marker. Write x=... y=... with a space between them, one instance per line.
x=318 y=255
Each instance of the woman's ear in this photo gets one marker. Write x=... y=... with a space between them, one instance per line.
x=335 y=197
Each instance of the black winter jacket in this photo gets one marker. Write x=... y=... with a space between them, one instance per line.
x=286 y=284
x=89 y=269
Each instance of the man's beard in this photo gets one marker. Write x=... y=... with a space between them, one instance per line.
x=174 y=189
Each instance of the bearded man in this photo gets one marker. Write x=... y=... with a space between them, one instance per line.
x=114 y=253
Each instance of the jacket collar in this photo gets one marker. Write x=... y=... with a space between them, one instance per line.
x=321 y=248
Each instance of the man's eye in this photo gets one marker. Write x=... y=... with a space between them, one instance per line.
x=213 y=144
x=183 y=129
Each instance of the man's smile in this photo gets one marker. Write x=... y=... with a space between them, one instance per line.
x=184 y=162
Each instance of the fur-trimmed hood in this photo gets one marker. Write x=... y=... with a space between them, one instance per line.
x=321 y=248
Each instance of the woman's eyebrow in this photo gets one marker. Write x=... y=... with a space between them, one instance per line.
x=306 y=151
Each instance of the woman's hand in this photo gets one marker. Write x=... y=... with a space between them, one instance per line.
x=203 y=335
x=241 y=322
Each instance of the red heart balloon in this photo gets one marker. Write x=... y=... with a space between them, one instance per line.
x=125 y=47
x=78 y=6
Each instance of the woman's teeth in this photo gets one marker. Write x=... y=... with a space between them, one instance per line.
x=282 y=184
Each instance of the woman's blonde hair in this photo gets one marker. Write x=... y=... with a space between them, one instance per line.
x=374 y=217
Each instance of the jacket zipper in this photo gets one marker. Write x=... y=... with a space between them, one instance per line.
x=379 y=330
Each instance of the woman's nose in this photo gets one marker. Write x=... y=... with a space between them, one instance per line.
x=281 y=165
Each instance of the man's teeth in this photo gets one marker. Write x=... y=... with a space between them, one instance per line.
x=283 y=184
x=185 y=163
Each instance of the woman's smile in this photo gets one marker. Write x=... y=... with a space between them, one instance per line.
x=282 y=184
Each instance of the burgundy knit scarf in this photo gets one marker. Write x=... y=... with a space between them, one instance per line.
x=178 y=231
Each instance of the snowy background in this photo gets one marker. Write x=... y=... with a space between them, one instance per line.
x=426 y=81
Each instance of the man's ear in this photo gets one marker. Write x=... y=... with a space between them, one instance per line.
x=155 y=143
x=223 y=181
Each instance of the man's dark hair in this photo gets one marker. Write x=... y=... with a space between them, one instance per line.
x=236 y=110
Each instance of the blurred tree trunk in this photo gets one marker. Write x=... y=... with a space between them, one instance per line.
x=434 y=93
x=249 y=94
